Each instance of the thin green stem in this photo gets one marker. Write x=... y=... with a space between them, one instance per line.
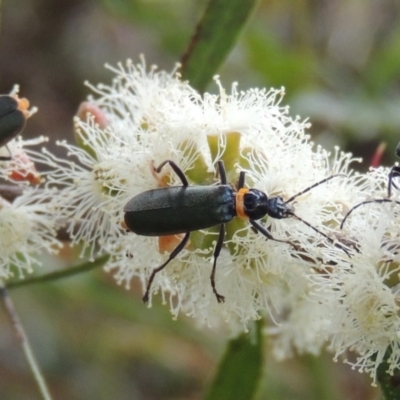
x=53 y=276
x=24 y=342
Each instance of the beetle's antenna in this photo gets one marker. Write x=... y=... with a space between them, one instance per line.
x=367 y=202
x=315 y=185
x=320 y=232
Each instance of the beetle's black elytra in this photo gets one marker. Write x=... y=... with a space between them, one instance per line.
x=184 y=209
x=13 y=114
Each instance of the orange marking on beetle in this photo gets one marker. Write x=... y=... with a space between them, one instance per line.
x=23 y=105
x=124 y=226
x=240 y=203
x=167 y=244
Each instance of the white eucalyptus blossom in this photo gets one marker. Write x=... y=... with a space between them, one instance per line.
x=154 y=116
x=114 y=161
x=87 y=194
x=21 y=168
x=27 y=229
x=331 y=277
x=363 y=294
x=28 y=225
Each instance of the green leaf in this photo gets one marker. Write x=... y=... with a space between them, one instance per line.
x=280 y=65
x=240 y=369
x=383 y=71
x=389 y=383
x=168 y=21
x=215 y=36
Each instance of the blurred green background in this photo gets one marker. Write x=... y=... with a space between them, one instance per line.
x=340 y=63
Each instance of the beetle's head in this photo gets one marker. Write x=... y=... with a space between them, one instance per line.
x=257 y=205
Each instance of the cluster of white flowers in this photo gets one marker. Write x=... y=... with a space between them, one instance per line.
x=28 y=225
x=319 y=284
x=362 y=294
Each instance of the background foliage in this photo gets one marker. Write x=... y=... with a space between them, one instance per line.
x=340 y=63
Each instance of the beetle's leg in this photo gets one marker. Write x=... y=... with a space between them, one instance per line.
x=217 y=250
x=394 y=172
x=4 y=158
x=176 y=169
x=222 y=173
x=268 y=235
x=241 y=180
x=176 y=251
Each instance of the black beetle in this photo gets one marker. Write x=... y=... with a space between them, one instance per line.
x=13 y=115
x=184 y=209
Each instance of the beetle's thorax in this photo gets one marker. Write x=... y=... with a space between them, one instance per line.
x=251 y=204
